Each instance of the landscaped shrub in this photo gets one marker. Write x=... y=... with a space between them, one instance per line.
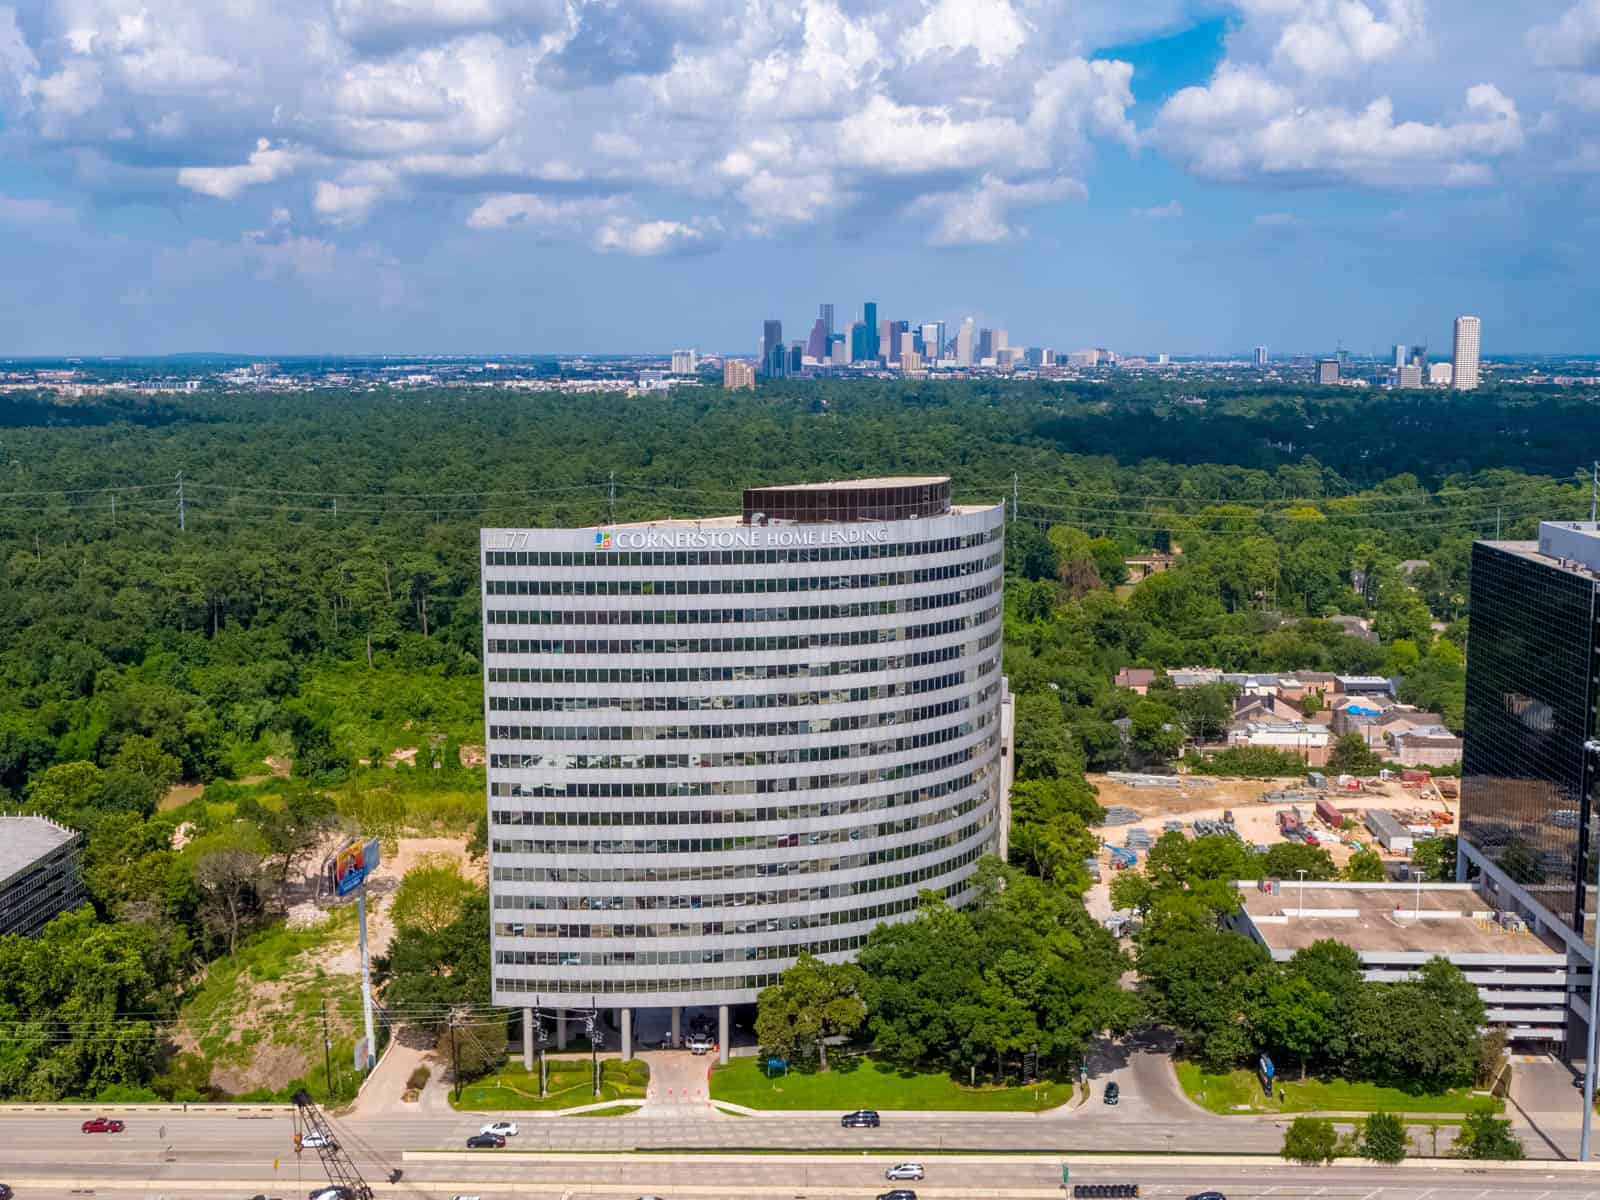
x=418 y=1079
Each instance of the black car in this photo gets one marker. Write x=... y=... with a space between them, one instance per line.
x=898 y=1194
x=485 y=1141
x=5 y=1192
x=333 y=1192
x=862 y=1118
x=1113 y=1093
x=1208 y=1196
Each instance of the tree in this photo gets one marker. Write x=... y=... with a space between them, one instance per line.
x=65 y=790
x=1365 y=866
x=433 y=971
x=294 y=832
x=1202 y=981
x=811 y=1002
x=1284 y=860
x=1157 y=730
x=1436 y=858
x=1383 y=1138
x=1484 y=1135
x=1028 y=552
x=1352 y=756
x=1422 y=1033
x=229 y=882
x=431 y=897
x=1310 y=1141
x=1044 y=745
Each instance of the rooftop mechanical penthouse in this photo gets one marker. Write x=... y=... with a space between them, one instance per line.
x=716 y=744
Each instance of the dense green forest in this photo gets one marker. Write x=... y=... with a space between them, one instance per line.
x=312 y=608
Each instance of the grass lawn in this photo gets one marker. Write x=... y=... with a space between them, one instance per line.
x=611 y=1110
x=512 y=1089
x=1240 y=1091
x=863 y=1083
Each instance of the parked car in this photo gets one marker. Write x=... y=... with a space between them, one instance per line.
x=700 y=1043
x=502 y=1128
x=1113 y=1093
x=862 y=1118
x=485 y=1141
x=316 y=1141
x=103 y=1125
x=898 y=1194
x=904 y=1171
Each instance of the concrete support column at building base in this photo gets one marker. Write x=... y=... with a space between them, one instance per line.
x=677 y=1026
x=722 y=1034
x=561 y=1029
x=627 y=1034
x=527 y=1039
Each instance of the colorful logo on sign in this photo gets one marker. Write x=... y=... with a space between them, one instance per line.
x=602 y=539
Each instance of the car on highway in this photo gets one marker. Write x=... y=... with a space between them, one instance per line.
x=898 y=1194
x=5 y=1192
x=317 y=1141
x=485 y=1141
x=103 y=1125
x=503 y=1128
x=1208 y=1196
x=862 y=1118
x=906 y=1170
x=1113 y=1093
x=336 y=1192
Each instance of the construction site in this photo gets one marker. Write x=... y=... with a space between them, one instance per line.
x=1338 y=813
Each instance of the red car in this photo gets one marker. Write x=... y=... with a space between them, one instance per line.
x=102 y=1125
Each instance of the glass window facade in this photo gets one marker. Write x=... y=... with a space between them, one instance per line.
x=876 y=775
x=1526 y=799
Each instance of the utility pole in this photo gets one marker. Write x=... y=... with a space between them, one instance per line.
x=1497 y=524
x=181 y=525
x=1015 y=492
x=1594 y=492
x=455 y=1055
x=611 y=497
x=327 y=1051
x=113 y=509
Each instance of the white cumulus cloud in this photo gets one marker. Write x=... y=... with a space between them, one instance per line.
x=264 y=165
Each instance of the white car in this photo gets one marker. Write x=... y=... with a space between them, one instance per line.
x=315 y=1141
x=503 y=1128
x=700 y=1043
x=904 y=1171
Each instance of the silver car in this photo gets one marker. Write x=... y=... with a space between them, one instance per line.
x=905 y=1170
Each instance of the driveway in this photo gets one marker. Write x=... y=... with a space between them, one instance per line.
x=678 y=1084
x=1544 y=1107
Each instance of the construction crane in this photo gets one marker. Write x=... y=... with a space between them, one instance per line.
x=317 y=1134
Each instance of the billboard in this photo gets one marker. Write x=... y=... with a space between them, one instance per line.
x=353 y=864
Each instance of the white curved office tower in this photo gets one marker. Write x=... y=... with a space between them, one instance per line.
x=715 y=744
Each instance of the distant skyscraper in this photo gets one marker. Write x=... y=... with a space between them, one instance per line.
x=933 y=340
x=1464 y=358
x=1261 y=356
x=860 y=343
x=1408 y=376
x=1164 y=359
x=898 y=339
x=817 y=344
x=985 y=344
x=1419 y=357
x=838 y=350
x=906 y=340
x=797 y=352
x=1327 y=370
x=1399 y=354
x=774 y=360
x=964 y=344
x=1002 y=341
x=738 y=375
x=886 y=345
x=869 y=318
x=825 y=313
x=685 y=362
x=1439 y=374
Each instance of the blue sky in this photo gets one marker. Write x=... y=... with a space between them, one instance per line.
x=281 y=176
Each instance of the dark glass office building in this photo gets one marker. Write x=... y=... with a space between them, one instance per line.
x=1528 y=776
x=1527 y=772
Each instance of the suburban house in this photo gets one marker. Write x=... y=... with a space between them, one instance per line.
x=1424 y=746
x=1306 y=741
x=1136 y=679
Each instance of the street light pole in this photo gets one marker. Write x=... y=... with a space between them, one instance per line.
x=1592 y=750
x=1302 y=875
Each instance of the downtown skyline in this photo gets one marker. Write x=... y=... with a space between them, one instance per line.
x=1199 y=176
